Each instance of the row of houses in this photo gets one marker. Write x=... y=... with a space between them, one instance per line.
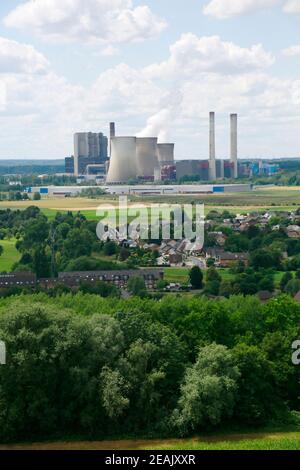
x=74 y=279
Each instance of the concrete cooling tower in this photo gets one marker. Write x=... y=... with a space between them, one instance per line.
x=146 y=156
x=123 y=160
x=165 y=154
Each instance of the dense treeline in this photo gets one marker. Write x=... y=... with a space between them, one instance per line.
x=82 y=365
x=66 y=243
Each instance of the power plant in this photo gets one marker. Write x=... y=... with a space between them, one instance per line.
x=143 y=159
x=137 y=158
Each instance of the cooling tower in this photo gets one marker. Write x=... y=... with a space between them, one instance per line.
x=166 y=154
x=123 y=160
x=146 y=156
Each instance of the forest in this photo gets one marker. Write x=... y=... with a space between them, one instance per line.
x=82 y=365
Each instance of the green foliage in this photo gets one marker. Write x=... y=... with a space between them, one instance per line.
x=286 y=278
x=136 y=286
x=196 y=278
x=209 y=390
x=293 y=287
x=258 y=400
x=82 y=364
x=110 y=248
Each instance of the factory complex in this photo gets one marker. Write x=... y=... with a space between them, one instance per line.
x=131 y=160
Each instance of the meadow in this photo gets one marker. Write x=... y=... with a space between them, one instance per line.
x=10 y=255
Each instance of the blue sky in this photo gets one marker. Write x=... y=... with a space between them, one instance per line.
x=156 y=67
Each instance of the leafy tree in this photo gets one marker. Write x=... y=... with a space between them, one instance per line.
x=136 y=286
x=253 y=232
x=41 y=263
x=196 y=277
x=212 y=288
x=237 y=243
x=124 y=254
x=257 y=394
x=225 y=289
x=37 y=197
x=78 y=243
x=286 y=278
x=110 y=248
x=293 y=287
x=210 y=262
x=267 y=284
x=85 y=263
x=209 y=390
x=50 y=382
x=213 y=275
x=263 y=259
x=298 y=274
x=100 y=288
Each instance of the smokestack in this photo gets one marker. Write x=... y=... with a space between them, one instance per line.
x=212 y=147
x=234 y=143
x=112 y=133
x=112 y=128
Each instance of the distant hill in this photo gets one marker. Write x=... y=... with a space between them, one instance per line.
x=31 y=167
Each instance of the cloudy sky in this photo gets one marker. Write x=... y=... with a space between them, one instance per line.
x=156 y=67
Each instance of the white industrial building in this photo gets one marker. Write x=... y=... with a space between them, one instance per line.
x=144 y=189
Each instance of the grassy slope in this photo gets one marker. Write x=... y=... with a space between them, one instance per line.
x=258 y=441
x=10 y=255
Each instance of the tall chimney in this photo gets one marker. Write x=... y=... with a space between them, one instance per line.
x=212 y=147
x=234 y=143
x=112 y=132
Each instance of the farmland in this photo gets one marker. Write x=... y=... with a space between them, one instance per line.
x=261 y=199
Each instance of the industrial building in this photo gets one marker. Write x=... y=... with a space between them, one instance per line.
x=89 y=149
x=138 y=158
x=69 y=166
x=143 y=189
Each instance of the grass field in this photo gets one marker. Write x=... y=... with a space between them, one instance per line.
x=259 y=441
x=181 y=275
x=261 y=199
x=10 y=255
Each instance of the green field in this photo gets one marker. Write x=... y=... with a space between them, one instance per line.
x=259 y=441
x=10 y=255
x=261 y=199
x=181 y=275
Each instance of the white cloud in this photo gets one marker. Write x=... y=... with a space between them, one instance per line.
x=292 y=51
x=20 y=58
x=292 y=6
x=223 y=9
x=40 y=112
x=191 y=55
x=92 y=21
